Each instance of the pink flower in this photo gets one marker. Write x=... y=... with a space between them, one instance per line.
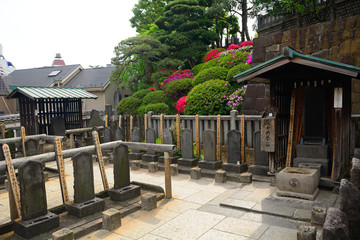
x=180 y=105
x=249 y=60
x=233 y=46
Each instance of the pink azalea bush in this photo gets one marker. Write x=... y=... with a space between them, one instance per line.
x=235 y=100
x=233 y=46
x=179 y=75
x=180 y=105
x=249 y=60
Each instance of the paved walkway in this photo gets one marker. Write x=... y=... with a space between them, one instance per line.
x=194 y=212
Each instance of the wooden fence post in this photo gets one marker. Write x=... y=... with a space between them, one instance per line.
x=168 y=191
x=242 y=138
x=3 y=130
x=218 y=134
x=161 y=128
x=178 y=132
x=145 y=123
x=23 y=138
x=131 y=126
x=197 y=135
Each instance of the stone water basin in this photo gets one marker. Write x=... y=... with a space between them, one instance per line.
x=298 y=182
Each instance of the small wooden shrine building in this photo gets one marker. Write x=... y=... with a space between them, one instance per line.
x=312 y=100
x=39 y=105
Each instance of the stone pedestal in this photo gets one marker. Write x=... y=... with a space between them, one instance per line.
x=245 y=178
x=233 y=171
x=298 y=182
x=148 y=201
x=85 y=208
x=124 y=193
x=195 y=173
x=306 y=233
x=185 y=165
x=135 y=156
x=33 y=227
x=135 y=165
x=220 y=176
x=153 y=167
x=208 y=168
x=111 y=219
x=174 y=169
x=161 y=161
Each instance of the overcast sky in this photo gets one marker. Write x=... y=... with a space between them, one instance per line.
x=84 y=31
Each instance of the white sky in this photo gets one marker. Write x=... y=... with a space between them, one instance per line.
x=84 y=31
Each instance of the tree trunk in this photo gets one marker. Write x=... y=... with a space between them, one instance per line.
x=244 y=21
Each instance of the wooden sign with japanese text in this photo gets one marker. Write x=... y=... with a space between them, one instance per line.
x=101 y=160
x=61 y=168
x=268 y=134
x=12 y=178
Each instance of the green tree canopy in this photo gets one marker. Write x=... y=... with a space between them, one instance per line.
x=186 y=30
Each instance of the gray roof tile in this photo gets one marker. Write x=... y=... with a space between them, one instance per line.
x=91 y=78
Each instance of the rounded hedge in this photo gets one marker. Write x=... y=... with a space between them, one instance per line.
x=209 y=64
x=197 y=68
x=128 y=105
x=236 y=70
x=178 y=88
x=208 y=98
x=157 y=108
x=141 y=110
x=141 y=93
x=154 y=97
x=210 y=74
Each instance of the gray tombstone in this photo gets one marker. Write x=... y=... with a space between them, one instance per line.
x=122 y=189
x=57 y=126
x=168 y=138
x=209 y=144
x=83 y=177
x=261 y=162
x=95 y=119
x=35 y=217
x=187 y=144
x=150 y=156
x=209 y=164
x=32 y=147
x=85 y=202
x=119 y=134
x=234 y=150
x=108 y=110
x=32 y=190
x=135 y=137
x=108 y=134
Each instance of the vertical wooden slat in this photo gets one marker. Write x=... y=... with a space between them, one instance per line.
x=168 y=191
x=161 y=128
x=197 y=132
x=178 y=131
x=218 y=142
x=145 y=123
x=242 y=132
x=131 y=127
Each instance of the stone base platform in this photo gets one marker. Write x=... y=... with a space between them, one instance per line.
x=210 y=165
x=185 y=165
x=258 y=170
x=234 y=168
x=161 y=160
x=135 y=156
x=124 y=193
x=33 y=227
x=149 y=158
x=85 y=208
x=310 y=197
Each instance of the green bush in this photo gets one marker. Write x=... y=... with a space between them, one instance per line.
x=210 y=74
x=236 y=70
x=141 y=110
x=157 y=108
x=208 y=98
x=154 y=97
x=197 y=68
x=209 y=64
x=128 y=105
x=141 y=93
x=233 y=59
x=178 y=88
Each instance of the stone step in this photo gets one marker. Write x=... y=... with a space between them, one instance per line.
x=312 y=151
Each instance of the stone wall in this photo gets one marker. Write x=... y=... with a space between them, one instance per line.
x=256 y=99
x=337 y=40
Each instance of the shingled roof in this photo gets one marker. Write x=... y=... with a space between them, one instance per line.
x=91 y=78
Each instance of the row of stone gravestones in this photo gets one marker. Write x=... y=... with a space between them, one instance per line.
x=209 y=165
x=35 y=217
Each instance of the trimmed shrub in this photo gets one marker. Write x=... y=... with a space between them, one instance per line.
x=208 y=98
x=236 y=70
x=210 y=74
x=178 y=88
x=141 y=110
x=128 y=105
x=154 y=97
x=233 y=59
x=141 y=93
x=197 y=68
x=209 y=64
x=157 y=108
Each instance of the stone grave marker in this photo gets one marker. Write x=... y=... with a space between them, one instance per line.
x=108 y=111
x=233 y=167
x=209 y=165
x=35 y=217
x=108 y=135
x=95 y=119
x=122 y=189
x=187 y=161
x=85 y=202
x=32 y=147
x=135 y=137
x=57 y=126
x=168 y=138
x=261 y=161
x=119 y=134
x=150 y=156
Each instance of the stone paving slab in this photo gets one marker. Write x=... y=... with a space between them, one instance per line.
x=219 y=235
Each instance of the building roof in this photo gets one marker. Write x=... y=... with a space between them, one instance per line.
x=91 y=78
x=39 y=77
x=50 y=92
x=292 y=59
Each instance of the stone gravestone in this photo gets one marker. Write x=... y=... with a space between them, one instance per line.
x=261 y=161
x=119 y=134
x=32 y=147
x=150 y=156
x=168 y=138
x=187 y=160
x=233 y=164
x=135 y=137
x=95 y=119
x=108 y=137
x=35 y=217
x=122 y=189
x=57 y=126
x=209 y=165
x=85 y=202
x=108 y=111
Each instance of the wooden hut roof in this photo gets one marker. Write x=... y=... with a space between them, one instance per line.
x=50 y=93
x=295 y=65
